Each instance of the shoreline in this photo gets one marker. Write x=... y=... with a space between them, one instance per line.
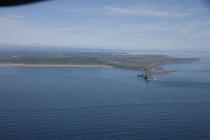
x=153 y=70
x=52 y=65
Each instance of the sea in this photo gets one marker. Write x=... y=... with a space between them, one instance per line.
x=101 y=103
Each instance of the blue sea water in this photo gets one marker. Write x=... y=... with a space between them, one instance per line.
x=105 y=103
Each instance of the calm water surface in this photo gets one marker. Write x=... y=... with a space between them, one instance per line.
x=105 y=103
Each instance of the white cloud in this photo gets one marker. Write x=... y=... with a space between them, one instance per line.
x=165 y=35
x=161 y=27
x=130 y=10
x=199 y=9
x=80 y=10
x=16 y=19
x=18 y=31
x=144 y=11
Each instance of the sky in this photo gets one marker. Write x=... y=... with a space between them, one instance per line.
x=109 y=24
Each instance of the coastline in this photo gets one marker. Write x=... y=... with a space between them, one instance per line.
x=51 y=65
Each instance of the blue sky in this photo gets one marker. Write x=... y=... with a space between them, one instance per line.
x=107 y=24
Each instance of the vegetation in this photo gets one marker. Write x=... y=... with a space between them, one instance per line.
x=148 y=63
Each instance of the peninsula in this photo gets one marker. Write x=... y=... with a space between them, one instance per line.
x=150 y=64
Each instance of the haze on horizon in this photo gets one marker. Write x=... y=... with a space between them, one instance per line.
x=109 y=24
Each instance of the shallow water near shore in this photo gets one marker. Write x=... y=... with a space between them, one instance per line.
x=48 y=103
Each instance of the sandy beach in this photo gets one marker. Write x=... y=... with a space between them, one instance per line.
x=50 y=65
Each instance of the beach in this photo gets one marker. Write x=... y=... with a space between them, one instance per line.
x=50 y=65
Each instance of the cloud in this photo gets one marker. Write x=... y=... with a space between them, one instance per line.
x=144 y=11
x=130 y=10
x=11 y=18
x=17 y=29
x=199 y=9
x=161 y=27
x=68 y=9
x=80 y=10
